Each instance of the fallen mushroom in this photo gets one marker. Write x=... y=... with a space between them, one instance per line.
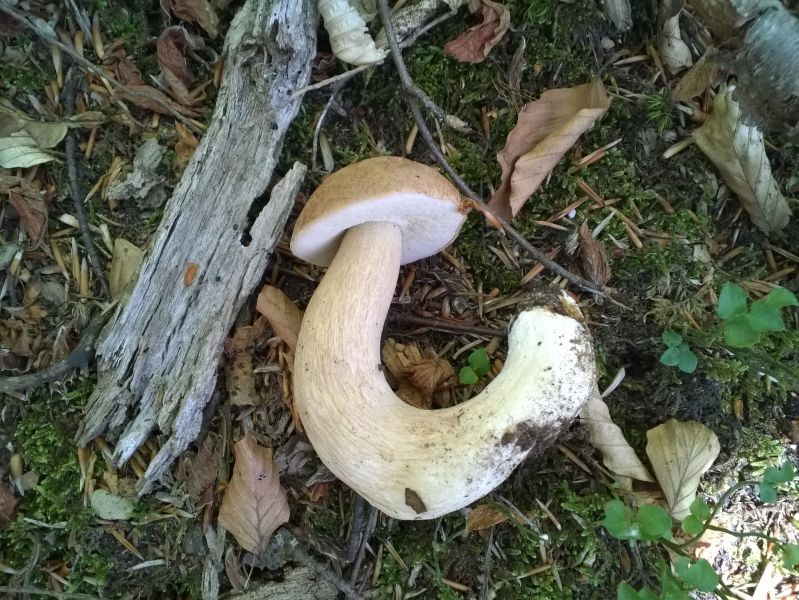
x=363 y=222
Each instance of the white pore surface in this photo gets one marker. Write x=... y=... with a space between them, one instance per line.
x=428 y=225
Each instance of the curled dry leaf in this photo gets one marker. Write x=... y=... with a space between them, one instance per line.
x=124 y=266
x=698 y=78
x=194 y=11
x=186 y=145
x=32 y=212
x=198 y=471
x=544 y=131
x=240 y=380
x=349 y=40
x=593 y=259
x=680 y=452
x=172 y=44
x=7 y=507
x=607 y=437
x=674 y=52
x=431 y=375
x=739 y=153
x=149 y=98
x=283 y=316
x=474 y=44
x=417 y=378
x=484 y=516
x=255 y=504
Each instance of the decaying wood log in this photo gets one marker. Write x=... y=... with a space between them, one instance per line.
x=759 y=43
x=158 y=359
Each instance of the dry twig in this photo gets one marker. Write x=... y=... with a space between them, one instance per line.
x=412 y=98
x=70 y=91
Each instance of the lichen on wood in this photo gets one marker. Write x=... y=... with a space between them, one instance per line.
x=158 y=359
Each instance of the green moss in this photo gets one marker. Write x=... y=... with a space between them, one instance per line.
x=32 y=78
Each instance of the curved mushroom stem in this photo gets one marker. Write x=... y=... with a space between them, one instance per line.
x=408 y=462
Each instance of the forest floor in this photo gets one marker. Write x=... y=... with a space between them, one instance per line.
x=692 y=239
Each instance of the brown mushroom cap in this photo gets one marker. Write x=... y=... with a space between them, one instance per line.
x=423 y=203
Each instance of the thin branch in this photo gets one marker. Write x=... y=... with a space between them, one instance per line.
x=444 y=324
x=409 y=86
x=77 y=359
x=50 y=40
x=70 y=91
x=82 y=19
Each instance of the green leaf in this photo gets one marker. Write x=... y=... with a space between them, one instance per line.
x=779 y=297
x=688 y=360
x=783 y=474
x=671 y=357
x=467 y=376
x=655 y=522
x=671 y=589
x=478 y=360
x=738 y=333
x=626 y=592
x=619 y=522
x=790 y=556
x=732 y=301
x=765 y=317
x=692 y=525
x=700 y=575
x=699 y=509
x=768 y=493
x=672 y=339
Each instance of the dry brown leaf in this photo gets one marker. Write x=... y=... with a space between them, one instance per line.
x=544 y=131
x=124 y=266
x=7 y=507
x=255 y=504
x=483 y=517
x=240 y=380
x=431 y=375
x=680 y=452
x=739 y=154
x=698 y=78
x=32 y=212
x=187 y=144
x=673 y=51
x=475 y=44
x=195 y=11
x=607 y=437
x=246 y=337
x=593 y=259
x=126 y=72
x=149 y=98
x=170 y=49
x=283 y=316
x=199 y=470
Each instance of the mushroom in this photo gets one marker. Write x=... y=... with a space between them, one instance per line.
x=363 y=222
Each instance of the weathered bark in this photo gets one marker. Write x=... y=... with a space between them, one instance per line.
x=759 y=44
x=300 y=583
x=157 y=363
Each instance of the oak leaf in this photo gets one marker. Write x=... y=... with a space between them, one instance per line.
x=544 y=131
x=680 y=452
x=255 y=504
x=170 y=52
x=475 y=44
x=739 y=154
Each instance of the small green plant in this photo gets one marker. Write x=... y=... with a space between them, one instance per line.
x=745 y=322
x=478 y=366
x=651 y=523
x=677 y=353
x=658 y=111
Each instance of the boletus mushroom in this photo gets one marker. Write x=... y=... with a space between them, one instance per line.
x=363 y=222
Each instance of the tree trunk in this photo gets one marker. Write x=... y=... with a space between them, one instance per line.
x=158 y=359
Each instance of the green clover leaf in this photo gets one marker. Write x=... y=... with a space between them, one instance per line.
x=779 y=297
x=790 y=556
x=692 y=525
x=700 y=575
x=765 y=317
x=478 y=360
x=732 y=301
x=671 y=357
x=654 y=521
x=467 y=376
x=627 y=592
x=672 y=339
x=619 y=521
x=699 y=509
x=739 y=333
x=688 y=360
